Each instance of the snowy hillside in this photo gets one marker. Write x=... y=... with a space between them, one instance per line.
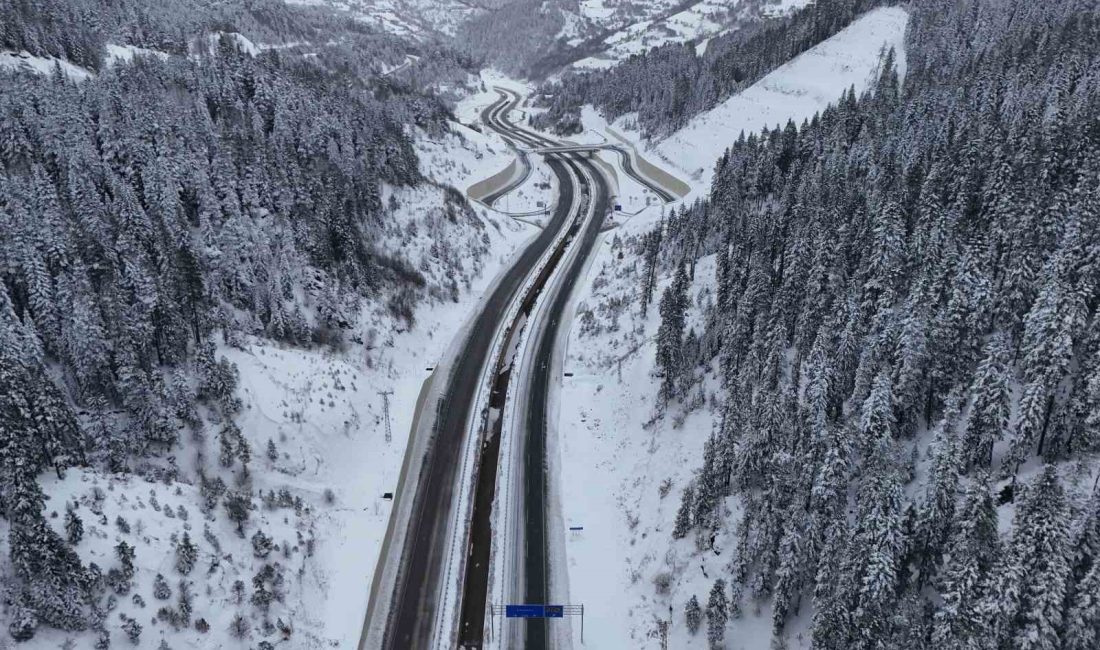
x=661 y=23
x=198 y=439
x=322 y=454
x=795 y=91
x=770 y=435
x=622 y=469
x=414 y=18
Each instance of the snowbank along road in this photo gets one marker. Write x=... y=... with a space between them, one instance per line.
x=419 y=584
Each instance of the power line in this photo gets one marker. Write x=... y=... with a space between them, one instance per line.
x=386 y=409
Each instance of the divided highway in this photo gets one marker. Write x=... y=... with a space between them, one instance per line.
x=490 y=117
x=414 y=604
x=570 y=172
x=416 y=613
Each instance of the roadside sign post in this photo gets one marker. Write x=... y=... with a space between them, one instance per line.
x=537 y=611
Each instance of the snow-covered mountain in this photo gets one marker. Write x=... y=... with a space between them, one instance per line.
x=413 y=18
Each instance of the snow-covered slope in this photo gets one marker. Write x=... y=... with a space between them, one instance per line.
x=318 y=493
x=700 y=20
x=621 y=469
x=650 y=25
x=795 y=91
x=41 y=64
x=414 y=18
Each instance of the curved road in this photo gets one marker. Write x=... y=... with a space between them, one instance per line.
x=490 y=117
x=536 y=584
x=414 y=604
x=628 y=167
x=414 y=600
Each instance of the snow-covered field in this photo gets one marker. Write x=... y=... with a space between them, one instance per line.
x=622 y=470
x=656 y=23
x=698 y=21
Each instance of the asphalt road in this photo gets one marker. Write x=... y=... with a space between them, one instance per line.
x=414 y=600
x=491 y=118
x=476 y=578
x=536 y=564
x=628 y=167
x=536 y=583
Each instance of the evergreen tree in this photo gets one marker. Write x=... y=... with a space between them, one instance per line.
x=161 y=590
x=717 y=614
x=1024 y=602
x=670 y=335
x=1083 y=617
x=261 y=545
x=971 y=550
x=693 y=615
x=237 y=507
x=74 y=527
x=989 y=414
x=132 y=629
x=683 y=515
x=186 y=554
x=651 y=249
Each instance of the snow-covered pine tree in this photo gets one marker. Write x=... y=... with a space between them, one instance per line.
x=1023 y=602
x=717 y=614
x=971 y=550
x=670 y=335
x=989 y=413
x=683 y=515
x=74 y=526
x=693 y=614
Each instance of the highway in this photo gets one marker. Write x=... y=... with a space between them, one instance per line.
x=628 y=167
x=535 y=576
x=489 y=117
x=417 y=588
x=418 y=613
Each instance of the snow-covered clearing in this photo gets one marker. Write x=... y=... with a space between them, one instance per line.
x=125 y=53
x=621 y=470
x=23 y=60
x=412 y=18
x=782 y=7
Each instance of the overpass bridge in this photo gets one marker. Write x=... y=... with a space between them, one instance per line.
x=572 y=148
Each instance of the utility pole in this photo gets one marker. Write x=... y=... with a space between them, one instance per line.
x=386 y=410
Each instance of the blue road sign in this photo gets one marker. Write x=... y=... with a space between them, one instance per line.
x=525 y=611
x=554 y=611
